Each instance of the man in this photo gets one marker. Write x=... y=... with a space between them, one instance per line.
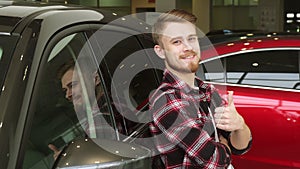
x=182 y=106
x=76 y=80
x=82 y=86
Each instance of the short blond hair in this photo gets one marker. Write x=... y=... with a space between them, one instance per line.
x=175 y=15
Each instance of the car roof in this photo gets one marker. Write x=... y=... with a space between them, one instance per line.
x=19 y=14
x=247 y=42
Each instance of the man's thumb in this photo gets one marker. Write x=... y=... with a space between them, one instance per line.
x=230 y=97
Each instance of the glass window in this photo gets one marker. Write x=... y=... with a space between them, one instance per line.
x=13 y=82
x=6 y=49
x=1 y=52
x=239 y=14
x=212 y=71
x=234 y=2
x=267 y=68
x=129 y=72
x=70 y=102
x=2 y=68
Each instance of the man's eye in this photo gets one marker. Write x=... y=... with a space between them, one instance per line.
x=176 y=42
x=73 y=84
x=192 y=39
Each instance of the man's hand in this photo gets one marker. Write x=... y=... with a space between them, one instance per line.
x=224 y=141
x=227 y=118
x=55 y=150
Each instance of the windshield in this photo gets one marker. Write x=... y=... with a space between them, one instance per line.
x=7 y=45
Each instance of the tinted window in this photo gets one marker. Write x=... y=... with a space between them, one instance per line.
x=278 y=68
x=129 y=69
x=212 y=71
x=267 y=68
x=6 y=47
x=60 y=117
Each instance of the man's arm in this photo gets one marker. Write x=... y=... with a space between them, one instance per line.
x=228 y=119
x=180 y=124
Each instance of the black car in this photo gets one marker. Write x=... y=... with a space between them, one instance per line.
x=35 y=40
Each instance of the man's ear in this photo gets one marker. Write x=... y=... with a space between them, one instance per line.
x=159 y=51
x=97 y=78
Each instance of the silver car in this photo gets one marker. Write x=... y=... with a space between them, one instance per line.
x=35 y=40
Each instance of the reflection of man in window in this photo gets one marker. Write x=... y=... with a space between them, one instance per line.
x=72 y=87
x=82 y=86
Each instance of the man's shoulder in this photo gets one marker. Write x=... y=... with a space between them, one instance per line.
x=164 y=88
x=161 y=92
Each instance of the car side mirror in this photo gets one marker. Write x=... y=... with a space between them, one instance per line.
x=99 y=153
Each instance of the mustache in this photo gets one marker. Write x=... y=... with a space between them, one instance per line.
x=187 y=54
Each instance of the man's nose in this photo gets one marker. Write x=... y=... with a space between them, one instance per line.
x=69 y=94
x=187 y=45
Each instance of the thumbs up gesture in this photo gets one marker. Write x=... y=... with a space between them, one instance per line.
x=227 y=118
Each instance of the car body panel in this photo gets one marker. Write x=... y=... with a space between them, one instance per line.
x=34 y=30
x=29 y=36
x=272 y=113
x=246 y=43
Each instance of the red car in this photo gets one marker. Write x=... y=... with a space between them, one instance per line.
x=263 y=72
x=34 y=112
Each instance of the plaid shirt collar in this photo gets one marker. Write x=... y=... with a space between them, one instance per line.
x=179 y=84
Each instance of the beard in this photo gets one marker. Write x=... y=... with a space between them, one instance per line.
x=193 y=65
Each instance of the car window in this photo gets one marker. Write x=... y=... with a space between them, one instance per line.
x=212 y=71
x=6 y=49
x=273 y=68
x=56 y=119
x=278 y=68
x=129 y=69
x=2 y=66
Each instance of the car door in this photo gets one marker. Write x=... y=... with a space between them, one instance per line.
x=51 y=118
x=125 y=95
x=266 y=94
x=18 y=105
x=8 y=117
x=131 y=71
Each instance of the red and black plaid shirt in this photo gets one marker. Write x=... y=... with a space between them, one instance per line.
x=183 y=131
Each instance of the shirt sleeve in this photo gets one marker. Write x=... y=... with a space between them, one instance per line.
x=180 y=124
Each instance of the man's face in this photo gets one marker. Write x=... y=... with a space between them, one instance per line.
x=73 y=90
x=180 y=47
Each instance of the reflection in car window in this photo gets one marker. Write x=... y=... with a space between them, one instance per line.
x=261 y=68
x=129 y=76
x=124 y=69
x=7 y=44
x=267 y=68
x=212 y=71
x=1 y=66
x=55 y=120
x=1 y=52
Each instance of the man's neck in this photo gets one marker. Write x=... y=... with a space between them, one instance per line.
x=188 y=78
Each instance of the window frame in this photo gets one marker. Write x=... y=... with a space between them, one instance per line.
x=84 y=28
x=223 y=60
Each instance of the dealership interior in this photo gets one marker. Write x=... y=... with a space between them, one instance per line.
x=264 y=15
x=71 y=77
